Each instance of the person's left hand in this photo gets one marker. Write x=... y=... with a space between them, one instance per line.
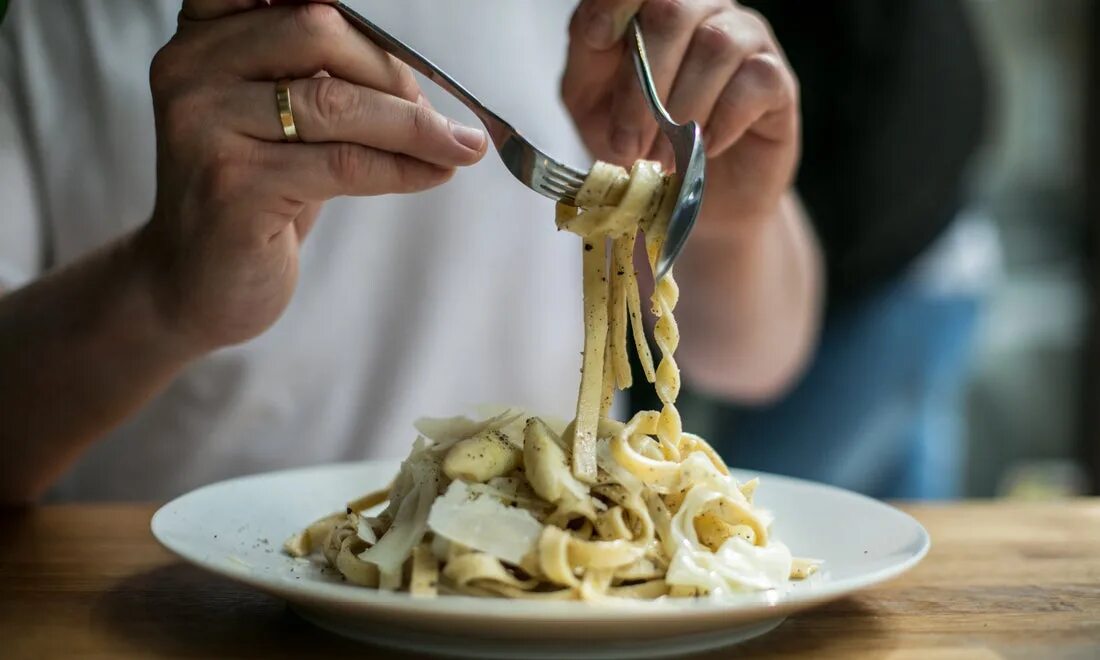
x=714 y=62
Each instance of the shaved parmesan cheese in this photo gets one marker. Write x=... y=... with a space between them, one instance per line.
x=444 y=430
x=482 y=522
x=408 y=524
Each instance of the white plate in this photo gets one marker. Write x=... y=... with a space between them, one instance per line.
x=236 y=528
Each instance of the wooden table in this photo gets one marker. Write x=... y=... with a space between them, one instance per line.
x=1002 y=580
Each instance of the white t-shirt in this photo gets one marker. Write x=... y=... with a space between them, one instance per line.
x=407 y=305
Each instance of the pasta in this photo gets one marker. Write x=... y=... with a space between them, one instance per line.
x=516 y=506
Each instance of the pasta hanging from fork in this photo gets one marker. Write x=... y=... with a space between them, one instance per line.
x=514 y=506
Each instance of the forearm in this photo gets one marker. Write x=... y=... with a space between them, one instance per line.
x=80 y=349
x=750 y=307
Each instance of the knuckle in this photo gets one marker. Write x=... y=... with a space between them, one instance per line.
x=319 y=20
x=404 y=178
x=425 y=124
x=347 y=163
x=714 y=43
x=664 y=15
x=180 y=112
x=334 y=100
x=404 y=83
x=766 y=71
x=181 y=100
x=756 y=21
x=576 y=23
x=165 y=70
x=223 y=173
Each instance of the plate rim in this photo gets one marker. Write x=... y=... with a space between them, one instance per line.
x=366 y=600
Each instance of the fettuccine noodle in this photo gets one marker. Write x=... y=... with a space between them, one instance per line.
x=515 y=506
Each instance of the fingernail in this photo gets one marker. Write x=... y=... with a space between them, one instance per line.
x=598 y=34
x=471 y=138
x=625 y=142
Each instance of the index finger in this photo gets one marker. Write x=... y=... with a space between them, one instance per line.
x=296 y=42
x=603 y=22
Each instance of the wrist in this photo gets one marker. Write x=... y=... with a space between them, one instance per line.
x=155 y=316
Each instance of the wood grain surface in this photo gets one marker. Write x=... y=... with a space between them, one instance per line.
x=1003 y=580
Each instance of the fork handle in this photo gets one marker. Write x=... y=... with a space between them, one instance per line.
x=499 y=130
x=645 y=78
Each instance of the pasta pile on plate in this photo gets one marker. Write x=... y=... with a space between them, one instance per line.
x=521 y=507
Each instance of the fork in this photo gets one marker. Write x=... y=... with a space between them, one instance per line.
x=690 y=158
x=525 y=161
x=550 y=177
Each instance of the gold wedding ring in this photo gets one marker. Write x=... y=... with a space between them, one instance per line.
x=286 y=113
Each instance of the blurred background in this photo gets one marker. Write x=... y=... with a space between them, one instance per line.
x=975 y=370
x=1033 y=424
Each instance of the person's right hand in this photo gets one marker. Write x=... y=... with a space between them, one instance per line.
x=233 y=200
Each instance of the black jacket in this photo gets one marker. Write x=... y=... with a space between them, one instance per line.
x=893 y=100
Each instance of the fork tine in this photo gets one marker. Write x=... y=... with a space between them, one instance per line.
x=571 y=186
x=569 y=173
x=566 y=174
x=550 y=186
x=572 y=190
x=562 y=179
x=557 y=191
